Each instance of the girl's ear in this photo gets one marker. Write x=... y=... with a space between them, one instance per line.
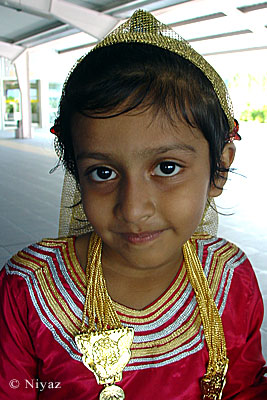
x=227 y=158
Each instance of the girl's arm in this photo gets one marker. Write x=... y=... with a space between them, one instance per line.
x=246 y=368
x=18 y=365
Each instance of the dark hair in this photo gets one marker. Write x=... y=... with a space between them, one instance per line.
x=115 y=79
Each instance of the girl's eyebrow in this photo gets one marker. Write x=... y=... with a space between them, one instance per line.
x=164 y=149
x=95 y=155
x=150 y=151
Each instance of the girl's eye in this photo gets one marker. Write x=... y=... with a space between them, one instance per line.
x=167 y=168
x=101 y=174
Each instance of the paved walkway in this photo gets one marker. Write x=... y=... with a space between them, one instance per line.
x=30 y=197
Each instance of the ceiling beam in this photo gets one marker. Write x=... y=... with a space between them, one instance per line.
x=47 y=35
x=87 y=20
x=10 y=51
x=39 y=8
x=92 y=22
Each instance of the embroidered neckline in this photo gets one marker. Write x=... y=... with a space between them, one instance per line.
x=151 y=308
x=162 y=336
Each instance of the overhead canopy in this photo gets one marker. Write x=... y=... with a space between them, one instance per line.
x=213 y=26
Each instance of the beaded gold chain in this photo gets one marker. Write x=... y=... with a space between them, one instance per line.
x=98 y=304
x=105 y=343
x=214 y=380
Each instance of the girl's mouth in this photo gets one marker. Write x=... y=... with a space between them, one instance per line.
x=142 y=237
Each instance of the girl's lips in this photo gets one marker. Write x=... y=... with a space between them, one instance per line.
x=143 y=237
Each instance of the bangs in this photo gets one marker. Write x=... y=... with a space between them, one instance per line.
x=138 y=75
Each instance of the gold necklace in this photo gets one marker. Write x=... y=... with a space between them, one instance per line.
x=105 y=343
x=214 y=380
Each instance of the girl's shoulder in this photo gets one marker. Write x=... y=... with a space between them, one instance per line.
x=224 y=261
x=211 y=249
x=49 y=256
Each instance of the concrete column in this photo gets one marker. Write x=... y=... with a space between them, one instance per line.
x=44 y=103
x=22 y=68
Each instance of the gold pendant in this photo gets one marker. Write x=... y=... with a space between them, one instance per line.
x=112 y=392
x=212 y=385
x=106 y=353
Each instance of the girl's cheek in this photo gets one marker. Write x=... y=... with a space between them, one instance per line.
x=100 y=190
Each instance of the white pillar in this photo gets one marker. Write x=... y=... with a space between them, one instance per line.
x=44 y=102
x=22 y=68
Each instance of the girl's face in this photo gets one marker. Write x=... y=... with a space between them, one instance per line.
x=144 y=185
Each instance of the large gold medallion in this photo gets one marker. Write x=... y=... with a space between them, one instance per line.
x=106 y=353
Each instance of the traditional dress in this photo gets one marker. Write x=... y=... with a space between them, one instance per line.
x=42 y=298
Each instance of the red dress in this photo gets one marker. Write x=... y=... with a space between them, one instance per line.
x=42 y=297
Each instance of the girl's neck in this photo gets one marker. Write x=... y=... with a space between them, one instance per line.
x=138 y=291
x=131 y=287
x=81 y=248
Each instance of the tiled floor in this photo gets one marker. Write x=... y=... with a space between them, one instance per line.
x=30 y=198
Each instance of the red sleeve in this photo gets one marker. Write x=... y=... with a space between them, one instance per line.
x=17 y=356
x=242 y=320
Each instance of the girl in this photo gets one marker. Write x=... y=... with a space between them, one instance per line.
x=147 y=306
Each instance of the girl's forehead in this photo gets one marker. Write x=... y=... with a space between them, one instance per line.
x=134 y=123
x=136 y=132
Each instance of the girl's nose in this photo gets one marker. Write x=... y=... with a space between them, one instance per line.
x=135 y=201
